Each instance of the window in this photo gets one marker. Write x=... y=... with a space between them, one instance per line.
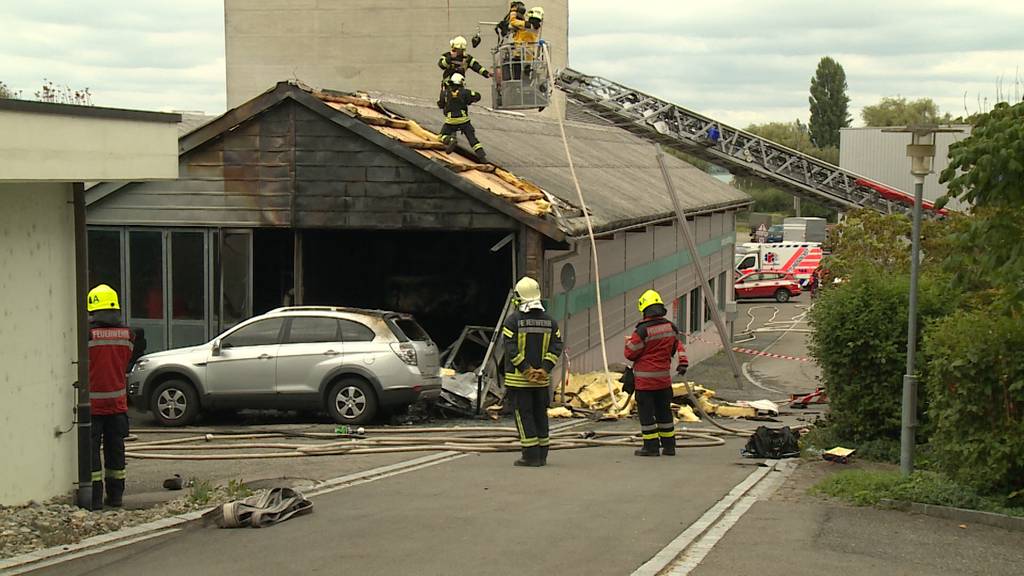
x=260 y=333
x=695 y=301
x=188 y=282
x=411 y=330
x=748 y=262
x=707 y=302
x=147 y=274
x=105 y=258
x=721 y=291
x=681 y=313
x=311 y=329
x=355 y=332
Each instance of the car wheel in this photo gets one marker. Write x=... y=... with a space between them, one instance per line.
x=174 y=403
x=782 y=295
x=351 y=401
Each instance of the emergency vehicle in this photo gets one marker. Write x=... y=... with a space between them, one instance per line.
x=796 y=258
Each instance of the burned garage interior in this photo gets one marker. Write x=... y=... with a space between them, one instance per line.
x=314 y=197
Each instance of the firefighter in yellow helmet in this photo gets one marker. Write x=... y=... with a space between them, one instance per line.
x=651 y=347
x=457 y=61
x=532 y=346
x=111 y=344
x=526 y=42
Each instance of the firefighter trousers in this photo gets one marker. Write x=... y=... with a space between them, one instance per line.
x=108 y=431
x=450 y=131
x=655 y=411
x=530 y=407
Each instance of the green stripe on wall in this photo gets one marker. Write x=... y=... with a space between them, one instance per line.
x=584 y=297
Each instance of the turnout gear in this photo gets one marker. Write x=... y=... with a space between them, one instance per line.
x=456 y=117
x=651 y=347
x=458 y=62
x=532 y=346
x=103 y=297
x=516 y=11
x=111 y=345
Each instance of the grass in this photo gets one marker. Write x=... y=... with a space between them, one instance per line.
x=200 y=493
x=869 y=487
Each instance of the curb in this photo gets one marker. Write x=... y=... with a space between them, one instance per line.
x=958 y=514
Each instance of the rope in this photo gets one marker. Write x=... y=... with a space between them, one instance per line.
x=559 y=112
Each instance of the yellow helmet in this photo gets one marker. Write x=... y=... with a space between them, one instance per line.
x=528 y=289
x=459 y=43
x=535 y=12
x=103 y=297
x=648 y=298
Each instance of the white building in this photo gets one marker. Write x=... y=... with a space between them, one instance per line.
x=46 y=153
x=882 y=156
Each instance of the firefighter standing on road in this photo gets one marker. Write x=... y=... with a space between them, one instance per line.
x=110 y=349
x=457 y=99
x=457 y=61
x=651 y=348
x=532 y=347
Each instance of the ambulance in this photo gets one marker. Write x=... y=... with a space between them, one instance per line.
x=796 y=258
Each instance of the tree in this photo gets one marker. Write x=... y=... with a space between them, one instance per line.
x=6 y=92
x=901 y=112
x=829 y=103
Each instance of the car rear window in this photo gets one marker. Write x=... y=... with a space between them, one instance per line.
x=352 y=331
x=409 y=329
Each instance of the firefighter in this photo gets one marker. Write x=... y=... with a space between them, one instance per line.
x=110 y=349
x=457 y=61
x=516 y=11
x=532 y=346
x=651 y=347
x=457 y=99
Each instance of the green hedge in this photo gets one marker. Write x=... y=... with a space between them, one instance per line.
x=976 y=386
x=860 y=341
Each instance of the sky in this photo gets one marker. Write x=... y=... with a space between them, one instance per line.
x=738 y=61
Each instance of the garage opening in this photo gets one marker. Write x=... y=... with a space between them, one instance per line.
x=273 y=278
x=448 y=280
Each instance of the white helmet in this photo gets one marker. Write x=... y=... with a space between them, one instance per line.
x=457 y=79
x=535 y=12
x=528 y=289
x=459 y=43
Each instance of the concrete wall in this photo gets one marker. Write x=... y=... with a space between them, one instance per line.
x=379 y=45
x=882 y=156
x=630 y=263
x=67 y=147
x=37 y=342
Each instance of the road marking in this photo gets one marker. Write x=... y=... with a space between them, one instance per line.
x=669 y=553
x=695 y=554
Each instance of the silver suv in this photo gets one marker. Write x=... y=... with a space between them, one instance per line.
x=347 y=361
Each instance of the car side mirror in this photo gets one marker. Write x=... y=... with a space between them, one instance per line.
x=215 y=351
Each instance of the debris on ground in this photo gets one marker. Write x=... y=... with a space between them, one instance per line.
x=58 y=522
x=559 y=412
x=271 y=507
x=685 y=414
x=838 y=454
x=772 y=443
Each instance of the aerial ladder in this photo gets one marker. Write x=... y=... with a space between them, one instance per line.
x=742 y=153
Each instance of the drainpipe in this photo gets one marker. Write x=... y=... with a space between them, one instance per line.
x=83 y=495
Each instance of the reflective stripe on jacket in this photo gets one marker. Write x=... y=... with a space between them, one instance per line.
x=456 y=105
x=651 y=348
x=531 y=340
x=110 y=349
x=451 y=64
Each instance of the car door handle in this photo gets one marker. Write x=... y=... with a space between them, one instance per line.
x=265 y=356
x=331 y=353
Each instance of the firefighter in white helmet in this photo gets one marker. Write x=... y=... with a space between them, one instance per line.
x=456 y=99
x=457 y=61
x=532 y=346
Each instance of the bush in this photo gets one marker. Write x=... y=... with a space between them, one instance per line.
x=976 y=385
x=859 y=341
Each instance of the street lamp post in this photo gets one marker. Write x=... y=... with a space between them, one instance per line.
x=921 y=151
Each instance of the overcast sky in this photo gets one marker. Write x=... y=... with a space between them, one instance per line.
x=739 y=61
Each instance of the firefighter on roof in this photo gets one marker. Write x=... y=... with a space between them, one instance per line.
x=532 y=346
x=457 y=61
x=651 y=347
x=110 y=349
x=456 y=101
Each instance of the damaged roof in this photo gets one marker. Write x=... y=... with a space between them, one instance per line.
x=618 y=171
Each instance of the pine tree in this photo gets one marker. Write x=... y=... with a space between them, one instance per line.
x=829 y=103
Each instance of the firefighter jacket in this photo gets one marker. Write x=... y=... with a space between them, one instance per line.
x=651 y=348
x=531 y=340
x=110 y=349
x=452 y=63
x=456 y=105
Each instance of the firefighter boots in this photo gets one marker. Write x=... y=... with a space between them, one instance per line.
x=530 y=458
